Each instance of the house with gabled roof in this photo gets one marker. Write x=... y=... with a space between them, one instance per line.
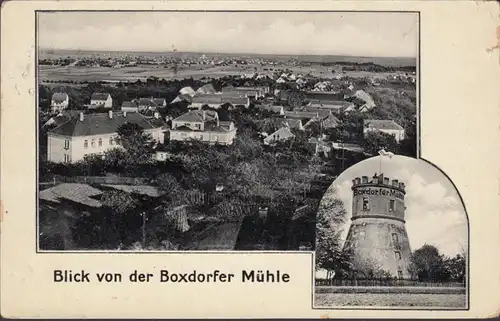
x=281 y=134
x=385 y=126
x=98 y=100
x=335 y=106
x=151 y=103
x=203 y=125
x=61 y=118
x=130 y=106
x=280 y=110
x=59 y=102
x=210 y=100
x=331 y=121
x=88 y=134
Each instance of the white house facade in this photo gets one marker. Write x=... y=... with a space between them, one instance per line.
x=385 y=126
x=101 y=100
x=59 y=102
x=203 y=125
x=89 y=134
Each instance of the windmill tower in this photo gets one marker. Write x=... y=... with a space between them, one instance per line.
x=377 y=238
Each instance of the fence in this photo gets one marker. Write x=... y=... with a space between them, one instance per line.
x=384 y=282
x=116 y=180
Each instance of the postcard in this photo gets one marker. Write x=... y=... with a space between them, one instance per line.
x=302 y=159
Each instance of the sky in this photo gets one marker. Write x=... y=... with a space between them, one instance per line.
x=435 y=214
x=365 y=34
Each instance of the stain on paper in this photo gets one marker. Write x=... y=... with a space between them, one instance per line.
x=497 y=45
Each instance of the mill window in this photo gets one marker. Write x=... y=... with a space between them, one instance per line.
x=397 y=255
x=66 y=144
x=391 y=205
x=100 y=142
x=92 y=143
x=86 y=144
x=366 y=205
x=111 y=141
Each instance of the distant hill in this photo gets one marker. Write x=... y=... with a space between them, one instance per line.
x=383 y=61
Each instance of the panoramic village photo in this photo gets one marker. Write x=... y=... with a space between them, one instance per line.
x=391 y=231
x=213 y=131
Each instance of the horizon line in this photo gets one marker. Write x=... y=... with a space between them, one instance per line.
x=230 y=53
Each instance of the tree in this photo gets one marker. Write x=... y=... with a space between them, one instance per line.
x=329 y=253
x=456 y=267
x=119 y=206
x=295 y=98
x=375 y=141
x=173 y=191
x=427 y=264
x=408 y=146
x=137 y=144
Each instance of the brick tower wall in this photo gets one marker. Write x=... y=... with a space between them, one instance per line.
x=377 y=238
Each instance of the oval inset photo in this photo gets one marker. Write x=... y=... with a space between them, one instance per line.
x=392 y=232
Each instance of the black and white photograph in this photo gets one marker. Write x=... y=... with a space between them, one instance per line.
x=392 y=232
x=222 y=131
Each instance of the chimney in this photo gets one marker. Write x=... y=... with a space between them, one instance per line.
x=110 y=114
x=157 y=115
x=81 y=116
x=386 y=181
x=364 y=179
x=395 y=183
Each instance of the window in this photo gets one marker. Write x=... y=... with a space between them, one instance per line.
x=66 y=144
x=395 y=238
x=216 y=138
x=391 y=205
x=66 y=158
x=366 y=206
x=397 y=255
x=100 y=142
x=92 y=143
x=85 y=144
x=111 y=141
x=400 y=274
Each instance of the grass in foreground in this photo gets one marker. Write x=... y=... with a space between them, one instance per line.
x=450 y=301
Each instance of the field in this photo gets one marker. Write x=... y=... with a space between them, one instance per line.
x=142 y=72
x=381 y=298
